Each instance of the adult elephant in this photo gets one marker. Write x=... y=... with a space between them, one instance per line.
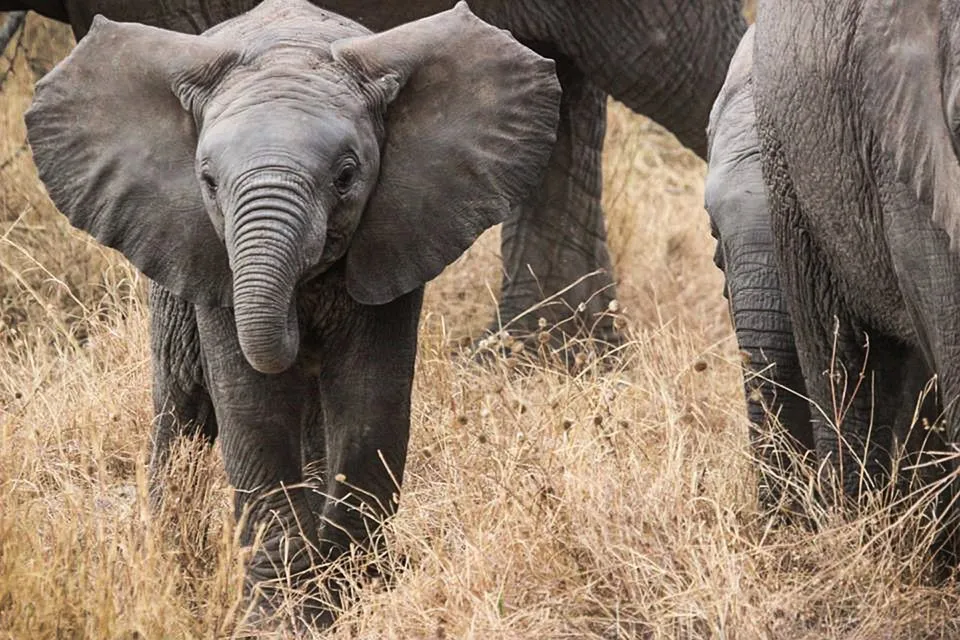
x=858 y=152
x=284 y=179
x=736 y=199
x=663 y=58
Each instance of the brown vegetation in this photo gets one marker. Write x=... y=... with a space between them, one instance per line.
x=537 y=504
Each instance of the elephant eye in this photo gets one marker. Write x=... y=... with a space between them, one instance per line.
x=346 y=176
x=209 y=181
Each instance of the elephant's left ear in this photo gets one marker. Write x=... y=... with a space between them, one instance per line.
x=467 y=137
x=903 y=74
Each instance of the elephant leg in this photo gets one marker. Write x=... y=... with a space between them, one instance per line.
x=855 y=378
x=929 y=279
x=313 y=449
x=356 y=448
x=261 y=417
x=859 y=393
x=773 y=381
x=854 y=375
x=664 y=60
x=182 y=406
x=366 y=376
x=556 y=237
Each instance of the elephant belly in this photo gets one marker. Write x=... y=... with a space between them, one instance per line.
x=195 y=16
x=841 y=210
x=185 y=16
x=844 y=214
x=378 y=15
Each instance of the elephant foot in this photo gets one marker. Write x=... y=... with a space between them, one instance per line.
x=784 y=472
x=289 y=607
x=778 y=504
x=946 y=550
x=300 y=603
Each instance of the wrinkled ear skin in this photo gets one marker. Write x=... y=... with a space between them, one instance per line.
x=467 y=137
x=900 y=48
x=950 y=63
x=115 y=148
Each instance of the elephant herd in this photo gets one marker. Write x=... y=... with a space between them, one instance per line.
x=289 y=174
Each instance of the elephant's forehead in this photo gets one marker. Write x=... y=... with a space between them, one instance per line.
x=284 y=23
x=265 y=104
x=283 y=136
x=287 y=77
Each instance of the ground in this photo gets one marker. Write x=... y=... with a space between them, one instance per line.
x=537 y=503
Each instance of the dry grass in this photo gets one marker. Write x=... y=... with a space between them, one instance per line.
x=537 y=504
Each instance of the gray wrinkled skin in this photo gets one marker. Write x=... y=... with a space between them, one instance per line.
x=735 y=198
x=855 y=104
x=284 y=180
x=662 y=58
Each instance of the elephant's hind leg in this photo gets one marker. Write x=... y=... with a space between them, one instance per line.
x=856 y=378
x=181 y=403
x=855 y=375
x=557 y=237
x=929 y=279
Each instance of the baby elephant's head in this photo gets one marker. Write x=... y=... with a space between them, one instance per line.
x=230 y=166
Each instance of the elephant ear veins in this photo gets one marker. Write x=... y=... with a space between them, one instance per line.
x=115 y=148
x=899 y=52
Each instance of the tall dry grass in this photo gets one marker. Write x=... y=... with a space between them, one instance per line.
x=537 y=504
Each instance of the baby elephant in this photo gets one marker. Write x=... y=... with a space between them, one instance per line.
x=289 y=181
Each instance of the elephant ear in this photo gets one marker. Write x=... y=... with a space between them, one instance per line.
x=115 y=148
x=467 y=136
x=903 y=73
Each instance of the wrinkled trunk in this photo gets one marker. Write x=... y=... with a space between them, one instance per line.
x=266 y=257
x=764 y=332
x=772 y=378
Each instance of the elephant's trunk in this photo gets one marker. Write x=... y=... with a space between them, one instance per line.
x=268 y=231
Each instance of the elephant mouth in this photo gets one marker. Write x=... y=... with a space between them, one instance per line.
x=334 y=249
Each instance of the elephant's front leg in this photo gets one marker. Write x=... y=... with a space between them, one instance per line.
x=558 y=236
x=260 y=418
x=366 y=369
x=182 y=406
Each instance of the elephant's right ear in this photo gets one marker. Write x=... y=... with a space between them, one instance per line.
x=899 y=47
x=115 y=148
